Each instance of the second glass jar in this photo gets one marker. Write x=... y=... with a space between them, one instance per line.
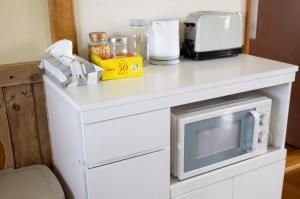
x=138 y=38
x=118 y=45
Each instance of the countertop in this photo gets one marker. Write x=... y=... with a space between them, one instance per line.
x=160 y=81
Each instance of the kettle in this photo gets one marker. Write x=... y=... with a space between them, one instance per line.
x=164 y=44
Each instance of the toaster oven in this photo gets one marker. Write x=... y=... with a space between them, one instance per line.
x=212 y=34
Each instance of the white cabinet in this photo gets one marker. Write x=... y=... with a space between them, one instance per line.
x=220 y=190
x=144 y=177
x=111 y=140
x=261 y=183
x=256 y=178
x=128 y=157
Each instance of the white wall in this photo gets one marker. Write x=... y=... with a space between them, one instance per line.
x=24 y=30
x=113 y=15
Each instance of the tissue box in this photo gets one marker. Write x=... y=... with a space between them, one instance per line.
x=120 y=67
x=66 y=69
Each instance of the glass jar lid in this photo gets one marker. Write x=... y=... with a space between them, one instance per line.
x=114 y=39
x=137 y=22
x=95 y=36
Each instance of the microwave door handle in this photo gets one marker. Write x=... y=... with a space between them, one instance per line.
x=255 y=115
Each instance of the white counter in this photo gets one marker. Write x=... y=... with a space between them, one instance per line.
x=111 y=140
x=160 y=81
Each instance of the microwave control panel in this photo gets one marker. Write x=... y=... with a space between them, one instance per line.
x=264 y=124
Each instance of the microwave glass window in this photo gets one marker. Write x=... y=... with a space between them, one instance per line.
x=225 y=137
x=217 y=139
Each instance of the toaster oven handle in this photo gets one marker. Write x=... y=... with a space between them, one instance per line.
x=256 y=117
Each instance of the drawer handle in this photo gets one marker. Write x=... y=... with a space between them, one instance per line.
x=115 y=160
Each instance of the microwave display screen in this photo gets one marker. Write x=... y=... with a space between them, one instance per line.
x=217 y=139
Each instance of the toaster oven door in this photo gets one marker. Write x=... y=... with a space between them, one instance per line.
x=216 y=142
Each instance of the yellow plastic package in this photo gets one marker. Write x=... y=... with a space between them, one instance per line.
x=120 y=67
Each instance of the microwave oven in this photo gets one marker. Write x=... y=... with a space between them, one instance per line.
x=208 y=135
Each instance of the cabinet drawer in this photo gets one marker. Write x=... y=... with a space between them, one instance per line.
x=122 y=138
x=143 y=177
x=222 y=190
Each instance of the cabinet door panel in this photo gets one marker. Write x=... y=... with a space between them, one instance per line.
x=117 y=139
x=261 y=183
x=220 y=190
x=144 y=177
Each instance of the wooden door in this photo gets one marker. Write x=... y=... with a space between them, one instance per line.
x=278 y=38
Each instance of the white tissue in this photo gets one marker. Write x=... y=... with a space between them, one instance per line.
x=62 y=48
x=66 y=69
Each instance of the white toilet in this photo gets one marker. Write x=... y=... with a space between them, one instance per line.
x=33 y=182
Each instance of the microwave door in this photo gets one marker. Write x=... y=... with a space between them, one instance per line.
x=208 y=144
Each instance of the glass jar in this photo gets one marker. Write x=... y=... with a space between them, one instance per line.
x=118 y=45
x=138 y=38
x=98 y=45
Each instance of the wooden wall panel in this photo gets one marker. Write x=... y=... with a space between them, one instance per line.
x=7 y=158
x=22 y=73
x=23 y=118
x=42 y=123
x=23 y=127
x=62 y=21
x=247 y=27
